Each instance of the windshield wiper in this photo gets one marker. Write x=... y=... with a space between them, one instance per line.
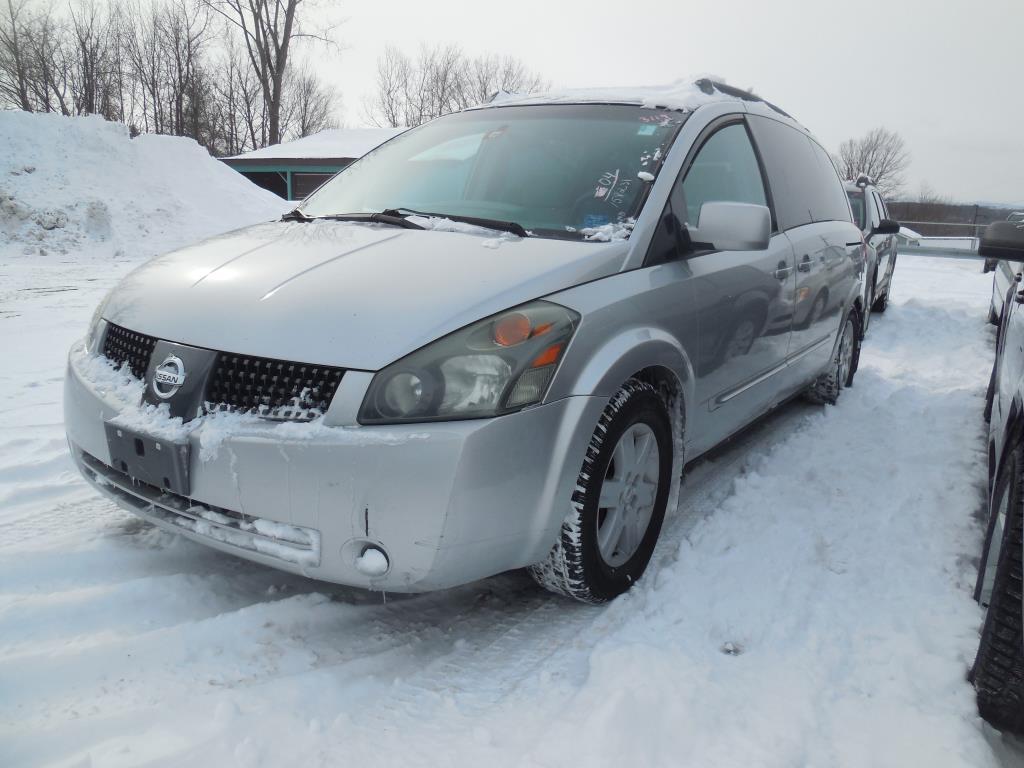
x=295 y=215
x=498 y=224
x=383 y=217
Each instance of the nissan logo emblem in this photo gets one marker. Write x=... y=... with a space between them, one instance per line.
x=168 y=377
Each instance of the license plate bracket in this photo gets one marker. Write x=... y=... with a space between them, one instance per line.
x=153 y=460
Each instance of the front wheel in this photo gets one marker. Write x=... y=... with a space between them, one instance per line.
x=998 y=672
x=607 y=539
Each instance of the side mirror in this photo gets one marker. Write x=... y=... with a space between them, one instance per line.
x=732 y=227
x=1003 y=240
x=886 y=227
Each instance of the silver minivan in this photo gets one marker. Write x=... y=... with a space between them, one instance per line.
x=492 y=343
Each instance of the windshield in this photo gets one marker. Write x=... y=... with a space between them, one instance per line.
x=857 y=203
x=554 y=169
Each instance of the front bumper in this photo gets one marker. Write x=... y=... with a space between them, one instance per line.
x=447 y=502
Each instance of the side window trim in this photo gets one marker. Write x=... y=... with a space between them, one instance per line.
x=709 y=131
x=765 y=178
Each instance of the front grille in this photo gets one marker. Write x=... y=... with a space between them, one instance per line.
x=274 y=389
x=123 y=346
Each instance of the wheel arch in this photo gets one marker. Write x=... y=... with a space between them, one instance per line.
x=650 y=354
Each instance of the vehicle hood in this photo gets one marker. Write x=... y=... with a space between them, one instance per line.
x=341 y=293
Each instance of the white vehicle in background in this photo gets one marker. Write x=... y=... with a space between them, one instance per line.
x=1016 y=216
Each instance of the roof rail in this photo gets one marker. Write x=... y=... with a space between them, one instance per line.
x=709 y=86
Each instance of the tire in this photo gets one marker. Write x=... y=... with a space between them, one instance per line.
x=998 y=671
x=578 y=566
x=826 y=388
x=869 y=303
x=881 y=303
x=990 y=396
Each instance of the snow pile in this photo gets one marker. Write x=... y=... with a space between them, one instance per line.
x=612 y=232
x=81 y=204
x=68 y=183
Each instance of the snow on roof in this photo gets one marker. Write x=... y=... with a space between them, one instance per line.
x=332 y=143
x=687 y=93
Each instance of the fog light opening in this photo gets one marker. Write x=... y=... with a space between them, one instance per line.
x=372 y=561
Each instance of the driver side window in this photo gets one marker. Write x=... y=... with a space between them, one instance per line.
x=724 y=170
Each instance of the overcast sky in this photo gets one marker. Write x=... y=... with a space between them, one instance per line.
x=948 y=75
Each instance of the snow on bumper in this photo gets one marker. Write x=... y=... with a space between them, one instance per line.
x=447 y=502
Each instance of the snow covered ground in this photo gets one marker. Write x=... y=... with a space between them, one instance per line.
x=809 y=604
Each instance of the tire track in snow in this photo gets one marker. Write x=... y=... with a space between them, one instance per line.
x=516 y=642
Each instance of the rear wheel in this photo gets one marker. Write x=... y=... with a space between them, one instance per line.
x=870 y=302
x=828 y=385
x=990 y=395
x=607 y=539
x=998 y=672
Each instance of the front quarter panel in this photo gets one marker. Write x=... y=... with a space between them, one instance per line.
x=630 y=321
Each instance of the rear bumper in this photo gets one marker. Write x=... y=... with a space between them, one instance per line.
x=447 y=502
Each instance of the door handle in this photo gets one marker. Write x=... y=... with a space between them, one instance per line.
x=805 y=264
x=1020 y=297
x=782 y=273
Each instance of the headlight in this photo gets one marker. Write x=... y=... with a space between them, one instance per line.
x=94 y=335
x=498 y=365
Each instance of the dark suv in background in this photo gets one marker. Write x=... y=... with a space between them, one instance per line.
x=998 y=672
x=871 y=214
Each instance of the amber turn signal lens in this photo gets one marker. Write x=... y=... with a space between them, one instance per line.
x=512 y=329
x=549 y=356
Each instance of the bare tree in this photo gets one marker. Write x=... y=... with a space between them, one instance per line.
x=91 y=58
x=308 y=103
x=218 y=71
x=387 y=105
x=268 y=29
x=881 y=154
x=929 y=196
x=441 y=79
x=487 y=75
x=14 y=58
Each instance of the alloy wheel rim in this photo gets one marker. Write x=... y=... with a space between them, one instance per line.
x=628 y=494
x=846 y=353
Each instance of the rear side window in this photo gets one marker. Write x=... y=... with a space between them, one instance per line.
x=883 y=212
x=857 y=204
x=830 y=204
x=724 y=170
x=876 y=212
x=805 y=185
